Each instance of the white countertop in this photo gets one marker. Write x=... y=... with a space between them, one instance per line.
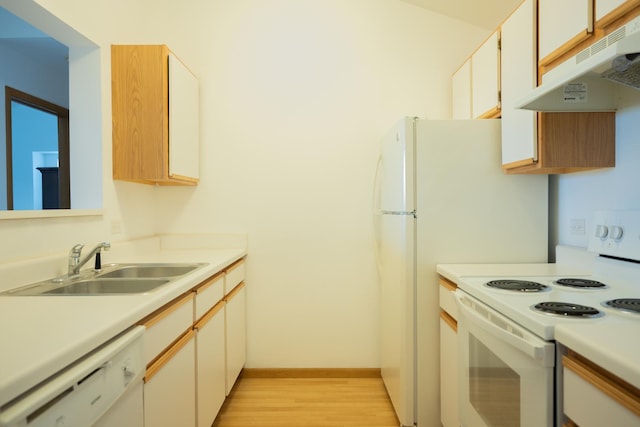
x=42 y=334
x=613 y=346
x=610 y=343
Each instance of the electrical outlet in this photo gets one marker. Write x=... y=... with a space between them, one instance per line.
x=577 y=226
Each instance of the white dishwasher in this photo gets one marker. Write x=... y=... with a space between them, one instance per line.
x=103 y=389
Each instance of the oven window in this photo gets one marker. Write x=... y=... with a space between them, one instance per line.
x=494 y=388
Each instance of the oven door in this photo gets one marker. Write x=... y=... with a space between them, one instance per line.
x=506 y=372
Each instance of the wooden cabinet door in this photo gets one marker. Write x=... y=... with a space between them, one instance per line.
x=170 y=387
x=461 y=92
x=485 y=79
x=519 y=75
x=562 y=25
x=236 y=335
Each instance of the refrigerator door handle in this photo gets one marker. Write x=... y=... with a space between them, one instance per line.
x=376 y=215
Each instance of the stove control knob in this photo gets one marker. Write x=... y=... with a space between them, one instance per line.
x=616 y=232
x=602 y=231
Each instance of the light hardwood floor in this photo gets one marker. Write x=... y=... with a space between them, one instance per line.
x=307 y=402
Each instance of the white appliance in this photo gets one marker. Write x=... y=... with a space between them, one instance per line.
x=508 y=358
x=103 y=389
x=441 y=197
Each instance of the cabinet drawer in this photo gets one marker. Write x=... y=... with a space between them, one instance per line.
x=593 y=399
x=208 y=294
x=166 y=324
x=170 y=386
x=234 y=275
x=447 y=298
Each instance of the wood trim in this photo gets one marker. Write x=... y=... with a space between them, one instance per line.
x=186 y=180
x=166 y=310
x=617 y=13
x=569 y=423
x=453 y=324
x=208 y=283
x=234 y=265
x=168 y=355
x=519 y=163
x=493 y=113
x=234 y=292
x=446 y=283
x=565 y=47
x=209 y=314
x=310 y=373
x=616 y=388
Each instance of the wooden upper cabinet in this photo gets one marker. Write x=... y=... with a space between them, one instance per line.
x=562 y=25
x=485 y=79
x=155 y=106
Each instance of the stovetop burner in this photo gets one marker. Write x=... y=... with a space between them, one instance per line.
x=517 y=285
x=566 y=309
x=624 y=304
x=579 y=283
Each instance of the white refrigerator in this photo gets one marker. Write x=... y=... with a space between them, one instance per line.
x=442 y=197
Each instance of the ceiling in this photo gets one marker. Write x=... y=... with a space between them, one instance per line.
x=20 y=36
x=487 y=14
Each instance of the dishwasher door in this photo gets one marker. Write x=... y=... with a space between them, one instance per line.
x=104 y=389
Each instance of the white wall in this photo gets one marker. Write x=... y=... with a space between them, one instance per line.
x=578 y=195
x=295 y=98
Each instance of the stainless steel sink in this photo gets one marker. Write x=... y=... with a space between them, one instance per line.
x=107 y=287
x=150 y=270
x=114 y=279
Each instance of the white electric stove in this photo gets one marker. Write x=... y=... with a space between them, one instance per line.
x=506 y=329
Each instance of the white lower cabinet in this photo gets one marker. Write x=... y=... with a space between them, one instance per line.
x=236 y=334
x=195 y=348
x=210 y=365
x=170 y=386
x=594 y=397
x=448 y=355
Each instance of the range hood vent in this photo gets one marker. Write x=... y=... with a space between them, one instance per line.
x=588 y=81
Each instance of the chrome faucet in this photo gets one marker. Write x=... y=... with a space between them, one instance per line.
x=75 y=263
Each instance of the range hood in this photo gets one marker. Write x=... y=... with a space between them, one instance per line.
x=588 y=81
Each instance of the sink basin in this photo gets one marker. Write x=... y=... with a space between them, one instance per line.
x=115 y=279
x=107 y=286
x=150 y=270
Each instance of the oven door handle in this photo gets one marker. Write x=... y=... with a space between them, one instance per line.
x=505 y=329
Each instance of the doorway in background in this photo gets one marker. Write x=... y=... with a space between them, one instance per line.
x=38 y=175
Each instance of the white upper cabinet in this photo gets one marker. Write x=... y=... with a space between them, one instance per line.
x=604 y=7
x=518 y=70
x=461 y=92
x=562 y=25
x=485 y=79
x=184 y=121
x=606 y=11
